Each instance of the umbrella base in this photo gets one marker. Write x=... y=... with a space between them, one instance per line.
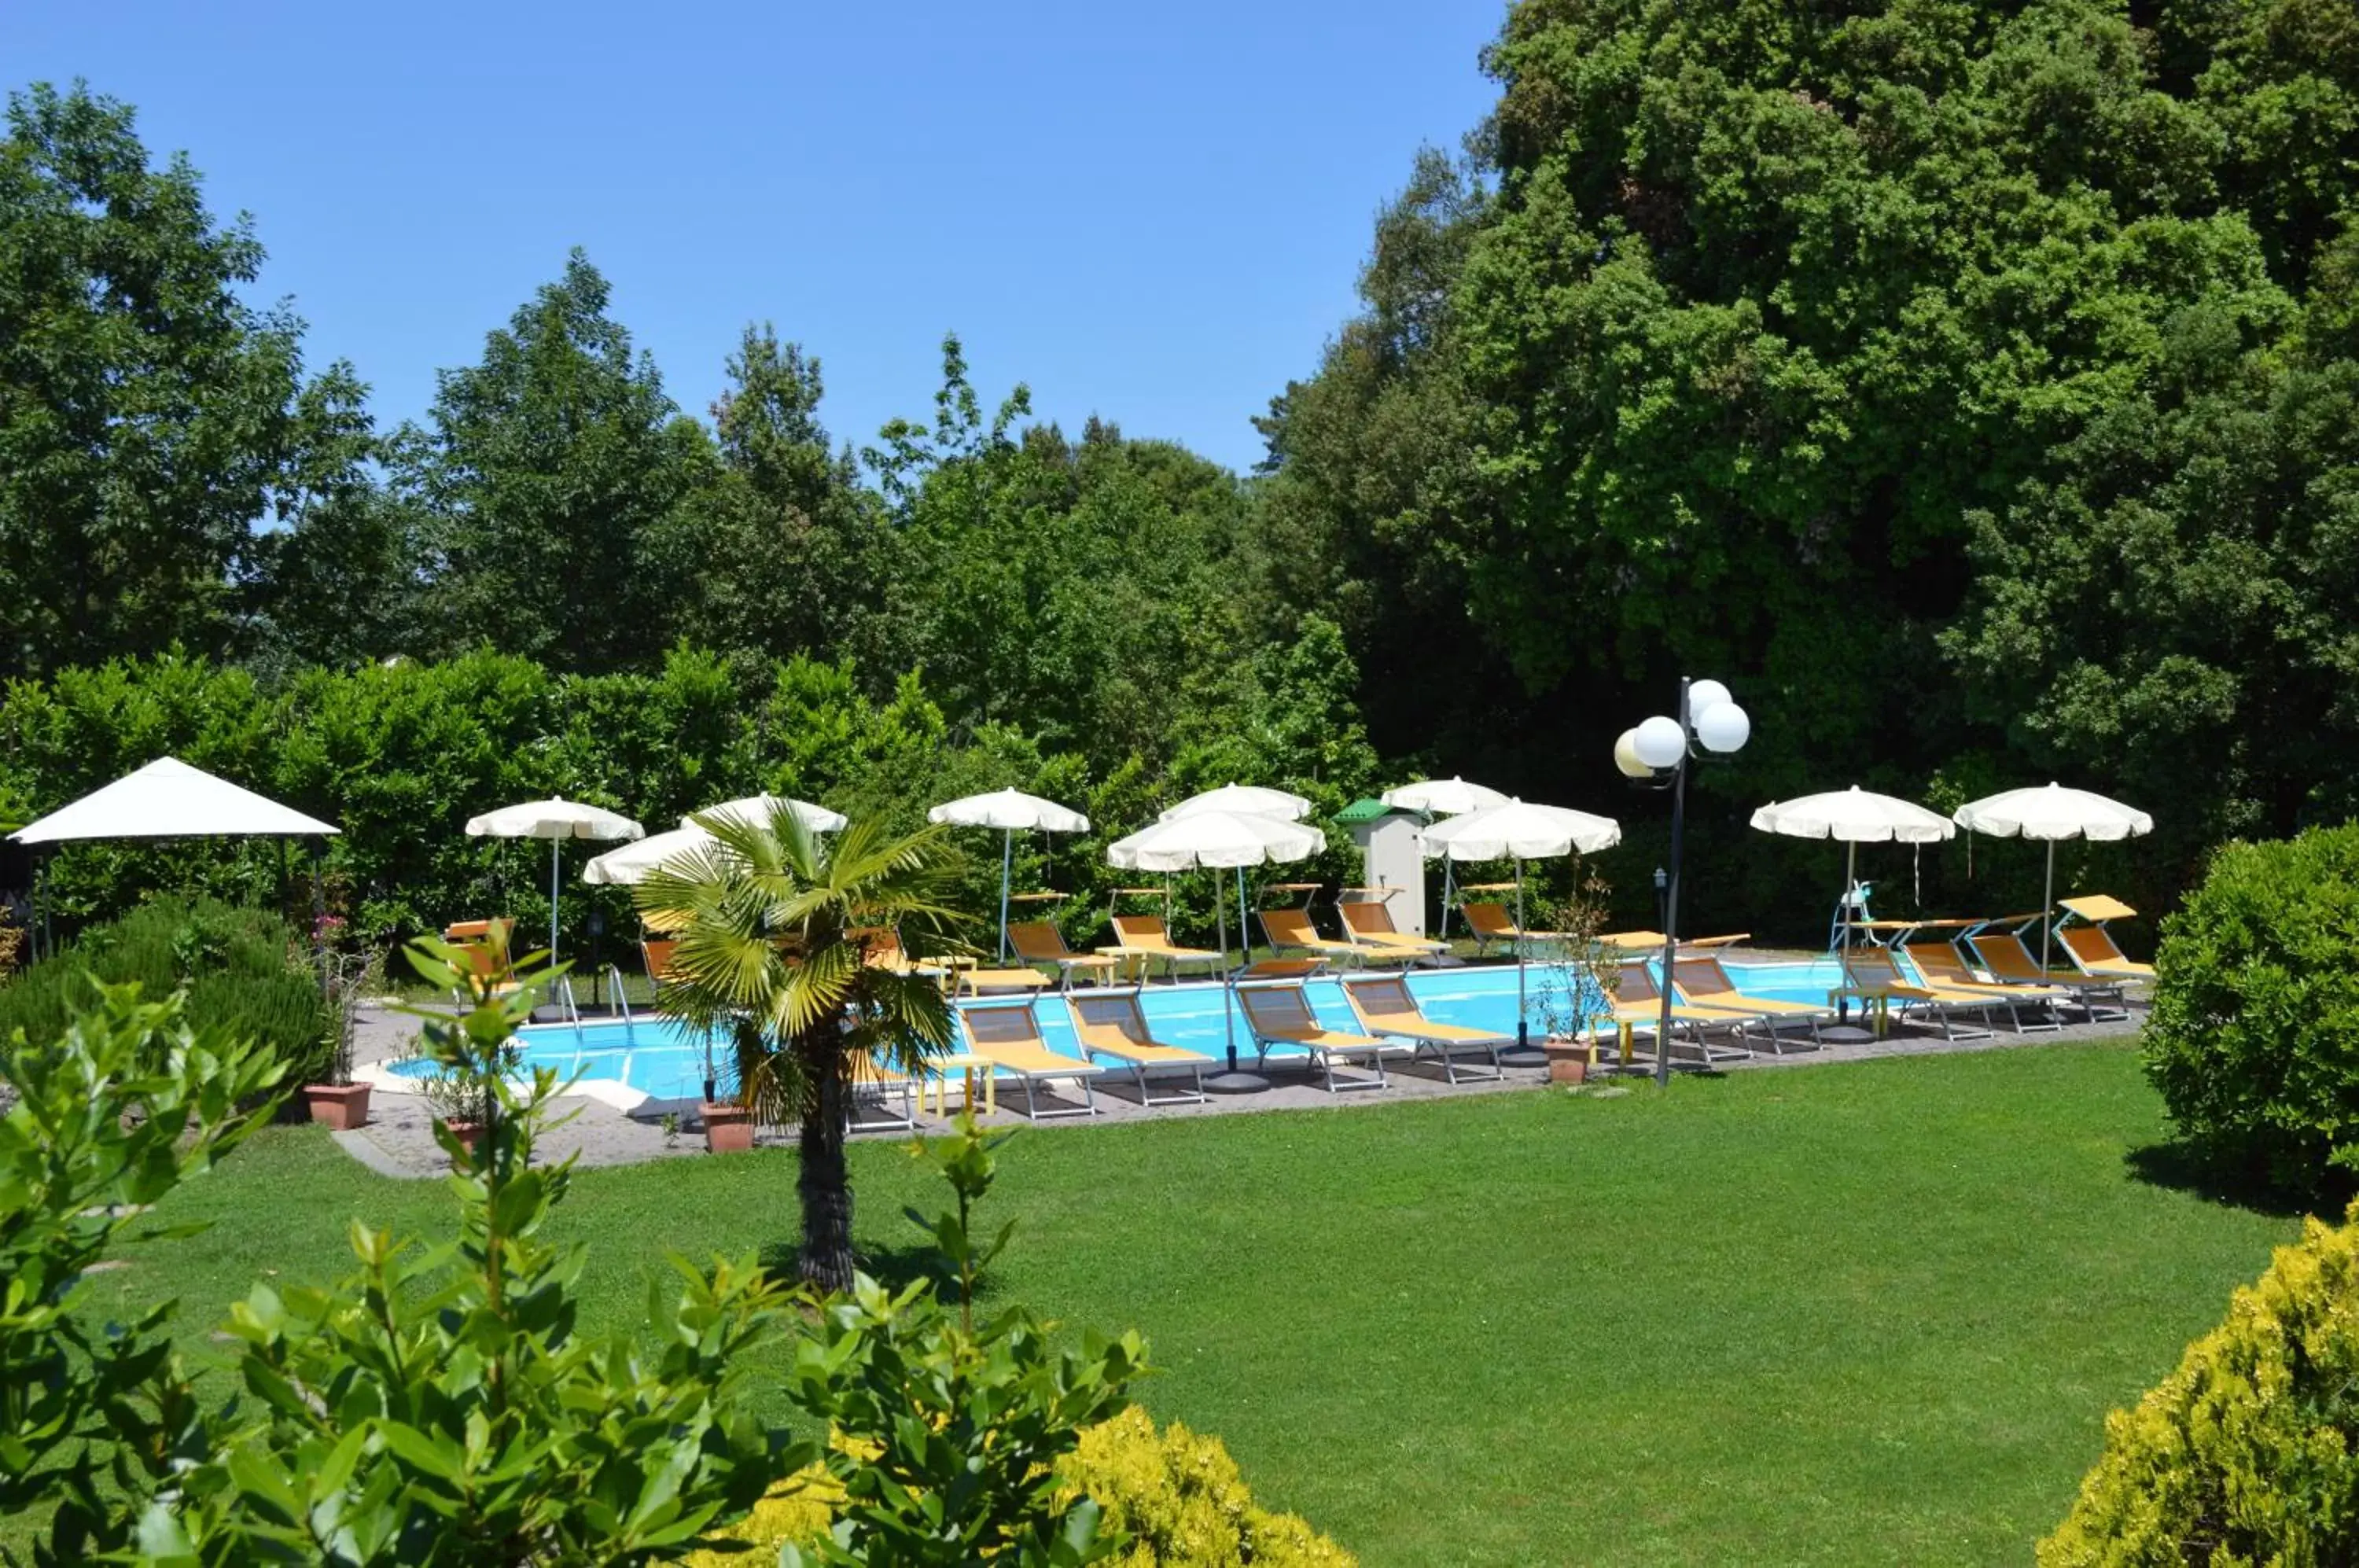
x=1236 y=1084
x=1523 y=1056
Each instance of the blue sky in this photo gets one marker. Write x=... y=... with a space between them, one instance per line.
x=1154 y=213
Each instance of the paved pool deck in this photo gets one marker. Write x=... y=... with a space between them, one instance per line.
x=399 y=1140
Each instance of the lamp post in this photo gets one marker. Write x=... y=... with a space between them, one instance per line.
x=1657 y=752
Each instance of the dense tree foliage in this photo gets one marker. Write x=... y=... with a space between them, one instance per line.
x=1974 y=387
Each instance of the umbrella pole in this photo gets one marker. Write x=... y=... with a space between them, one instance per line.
x=1850 y=882
x=2046 y=904
x=553 y=844
x=1221 y=916
x=1244 y=925
x=1523 y=1024
x=1007 y=866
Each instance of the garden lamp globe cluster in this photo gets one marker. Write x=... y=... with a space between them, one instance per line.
x=1711 y=718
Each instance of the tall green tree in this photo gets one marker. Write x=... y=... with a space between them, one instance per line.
x=145 y=408
x=550 y=467
x=774 y=955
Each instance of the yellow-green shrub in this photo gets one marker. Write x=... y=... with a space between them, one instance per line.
x=2245 y=1454
x=1178 y=1498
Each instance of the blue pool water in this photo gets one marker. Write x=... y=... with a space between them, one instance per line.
x=655 y=1057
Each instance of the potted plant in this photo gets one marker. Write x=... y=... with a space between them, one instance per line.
x=728 y=1128
x=463 y=1101
x=337 y=1102
x=1576 y=985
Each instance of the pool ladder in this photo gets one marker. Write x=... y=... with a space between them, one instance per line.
x=623 y=1004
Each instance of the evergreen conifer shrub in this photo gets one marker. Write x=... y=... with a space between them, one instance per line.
x=2254 y=1042
x=2244 y=1455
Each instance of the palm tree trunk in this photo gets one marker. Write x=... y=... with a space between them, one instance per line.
x=825 y=1182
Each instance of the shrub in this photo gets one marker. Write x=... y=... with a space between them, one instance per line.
x=2254 y=1042
x=1175 y=1499
x=243 y=971
x=2244 y=1455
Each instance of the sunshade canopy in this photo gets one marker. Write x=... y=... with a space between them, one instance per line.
x=1010 y=810
x=168 y=799
x=1214 y=838
x=630 y=864
x=2052 y=812
x=556 y=817
x=1443 y=796
x=1853 y=816
x=1520 y=830
x=1250 y=798
x=755 y=811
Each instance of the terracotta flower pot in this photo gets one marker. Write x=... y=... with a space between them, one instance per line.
x=343 y=1106
x=469 y=1133
x=728 y=1130
x=1568 y=1060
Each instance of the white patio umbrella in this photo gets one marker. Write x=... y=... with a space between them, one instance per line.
x=556 y=818
x=1247 y=798
x=757 y=809
x=633 y=862
x=1220 y=839
x=1451 y=797
x=1011 y=811
x=1855 y=816
x=2052 y=813
x=1519 y=831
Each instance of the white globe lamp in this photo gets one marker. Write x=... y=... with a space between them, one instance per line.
x=1703 y=696
x=1627 y=757
x=1660 y=742
x=1724 y=727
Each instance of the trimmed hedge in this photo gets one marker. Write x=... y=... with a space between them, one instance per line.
x=2253 y=1040
x=243 y=970
x=2249 y=1453
x=1177 y=1497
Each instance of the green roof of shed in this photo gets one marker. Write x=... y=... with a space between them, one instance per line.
x=1366 y=811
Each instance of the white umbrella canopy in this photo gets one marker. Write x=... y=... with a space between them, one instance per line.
x=168 y=799
x=556 y=820
x=1451 y=797
x=1253 y=798
x=1009 y=811
x=2052 y=814
x=633 y=862
x=756 y=810
x=1855 y=816
x=1519 y=831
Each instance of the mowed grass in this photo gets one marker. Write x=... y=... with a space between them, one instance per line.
x=1871 y=1313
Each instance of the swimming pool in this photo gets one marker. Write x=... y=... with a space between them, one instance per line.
x=655 y=1057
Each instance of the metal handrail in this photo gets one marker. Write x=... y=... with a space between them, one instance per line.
x=623 y=1004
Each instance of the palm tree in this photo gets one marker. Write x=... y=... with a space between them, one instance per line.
x=777 y=928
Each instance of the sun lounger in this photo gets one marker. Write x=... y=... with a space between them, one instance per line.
x=1491 y=922
x=1280 y=1015
x=980 y=981
x=2092 y=948
x=1113 y=1024
x=1873 y=975
x=1370 y=926
x=1008 y=1035
x=1385 y=1006
x=484 y=949
x=1040 y=941
x=875 y=1085
x=1701 y=981
x=1147 y=939
x=2007 y=959
x=1937 y=964
x=1292 y=928
x=1638 y=1003
x=1281 y=969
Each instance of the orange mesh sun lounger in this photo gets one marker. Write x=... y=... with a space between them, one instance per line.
x=1701 y=981
x=1491 y=922
x=1384 y=1004
x=1146 y=938
x=1281 y=1015
x=1638 y=1003
x=2008 y=959
x=1874 y=973
x=1113 y=1024
x=1007 y=1036
x=1370 y=925
x=2092 y=948
x=1040 y=941
x=1292 y=928
x=1939 y=964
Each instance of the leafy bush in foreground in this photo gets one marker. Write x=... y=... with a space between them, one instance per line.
x=2249 y=1452
x=243 y=970
x=2254 y=1042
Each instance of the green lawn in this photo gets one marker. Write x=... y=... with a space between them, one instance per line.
x=1863 y=1313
